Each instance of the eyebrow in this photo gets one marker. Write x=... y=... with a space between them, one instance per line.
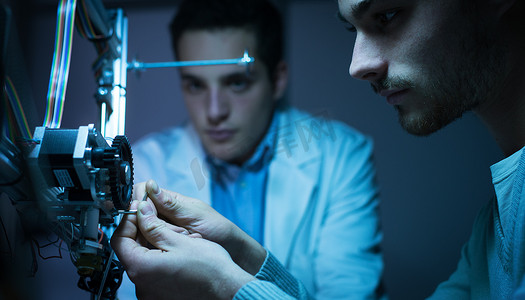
x=189 y=77
x=239 y=75
x=235 y=75
x=341 y=18
x=357 y=10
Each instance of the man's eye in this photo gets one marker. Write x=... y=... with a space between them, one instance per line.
x=346 y=24
x=192 y=86
x=239 y=85
x=387 y=17
x=350 y=28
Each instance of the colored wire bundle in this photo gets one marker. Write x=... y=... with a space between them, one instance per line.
x=86 y=27
x=61 y=61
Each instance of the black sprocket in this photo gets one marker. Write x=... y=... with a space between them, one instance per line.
x=121 y=172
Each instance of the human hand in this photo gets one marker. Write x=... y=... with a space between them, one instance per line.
x=130 y=220
x=198 y=217
x=165 y=261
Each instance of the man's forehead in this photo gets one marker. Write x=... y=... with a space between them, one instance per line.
x=227 y=43
x=217 y=72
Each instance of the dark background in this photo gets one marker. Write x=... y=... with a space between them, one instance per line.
x=431 y=187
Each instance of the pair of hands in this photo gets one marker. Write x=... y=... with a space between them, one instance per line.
x=176 y=246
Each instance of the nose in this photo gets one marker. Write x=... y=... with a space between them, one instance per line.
x=367 y=61
x=218 y=108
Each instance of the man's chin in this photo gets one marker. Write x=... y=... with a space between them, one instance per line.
x=233 y=151
x=225 y=152
x=420 y=126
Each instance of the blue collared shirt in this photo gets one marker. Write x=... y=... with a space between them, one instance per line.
x=239 y=192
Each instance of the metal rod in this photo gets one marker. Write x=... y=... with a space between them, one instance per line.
x=244 y=60
x=127 y=212
x=131 y=211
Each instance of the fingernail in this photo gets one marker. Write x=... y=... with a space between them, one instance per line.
x=155 y=187
x=146 y=209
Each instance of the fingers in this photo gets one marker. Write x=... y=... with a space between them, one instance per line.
x=177 y=229
x=128 y=225
x=195 y=235
x=137 y=235
x=123 y=240
x=138 y=191
x=175 y=207
x=126 y=249
x=157 y=232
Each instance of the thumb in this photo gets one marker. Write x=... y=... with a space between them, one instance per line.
x=155 y=231
x=177 y=208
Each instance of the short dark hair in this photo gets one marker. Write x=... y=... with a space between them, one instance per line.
x=258 y=16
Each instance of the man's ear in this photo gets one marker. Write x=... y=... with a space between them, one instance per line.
x=280 y=80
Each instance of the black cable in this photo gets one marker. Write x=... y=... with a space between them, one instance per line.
x=7 y=238
x=38 y=247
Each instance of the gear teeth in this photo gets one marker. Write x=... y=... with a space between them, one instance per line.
x=118 y=153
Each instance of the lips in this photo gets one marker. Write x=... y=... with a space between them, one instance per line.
x=220 y=135
x=394 y=96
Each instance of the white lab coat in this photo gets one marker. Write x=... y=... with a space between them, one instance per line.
x=321 y=206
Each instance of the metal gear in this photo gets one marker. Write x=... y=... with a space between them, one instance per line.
x=120 y=172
